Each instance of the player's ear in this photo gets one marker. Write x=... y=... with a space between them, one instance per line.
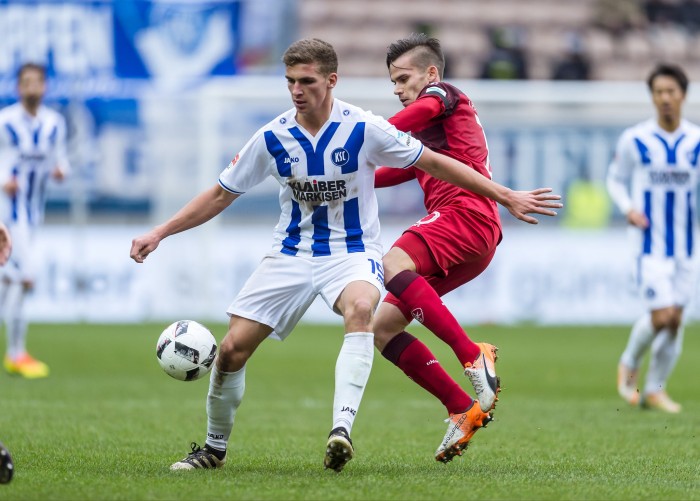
x=433 y=74
x=332 y=80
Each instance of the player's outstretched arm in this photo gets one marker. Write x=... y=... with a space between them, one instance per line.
x=519 y=203
x=5 y=244
x=197 y=211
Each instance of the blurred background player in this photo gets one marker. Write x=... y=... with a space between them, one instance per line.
x=32 y=149
x=323 y=152
x=5 y=244
x=653 y=180
x=449 y=247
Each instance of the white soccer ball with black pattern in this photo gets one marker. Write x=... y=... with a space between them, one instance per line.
x=186 y=350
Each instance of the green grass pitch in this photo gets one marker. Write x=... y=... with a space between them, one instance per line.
x=108 y=422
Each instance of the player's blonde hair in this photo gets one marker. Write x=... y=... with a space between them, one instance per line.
x=310 y=51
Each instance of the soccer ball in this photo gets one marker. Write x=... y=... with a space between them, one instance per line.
x=186 y=350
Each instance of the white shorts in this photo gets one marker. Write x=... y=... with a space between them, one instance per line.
x=282 y=288
x=665 y=282
x=21 y=265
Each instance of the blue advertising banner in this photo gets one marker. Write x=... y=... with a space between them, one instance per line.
x=141 y=39
x=107 y=63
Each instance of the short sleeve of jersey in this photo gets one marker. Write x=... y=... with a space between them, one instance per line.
x=249 y=168
x=390 y=147
x=8 y=152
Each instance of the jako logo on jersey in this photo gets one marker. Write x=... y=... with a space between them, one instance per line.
x=349 y=409
x=417 y=314
x=318 y=191
x=235 y=159
x=340 y=157
x=291 y=160
x=403 y=137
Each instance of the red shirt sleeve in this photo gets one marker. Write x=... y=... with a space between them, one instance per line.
x=417 y=115
x=389 y=176
x=413 y=117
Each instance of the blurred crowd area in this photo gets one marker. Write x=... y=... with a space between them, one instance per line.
x=515 y=39
x=159 y=95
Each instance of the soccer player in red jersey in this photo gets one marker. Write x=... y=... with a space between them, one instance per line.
x=449 y=247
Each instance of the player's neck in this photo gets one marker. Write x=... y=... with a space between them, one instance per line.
x=669 y=125
x=314 y=121
x=31 y=109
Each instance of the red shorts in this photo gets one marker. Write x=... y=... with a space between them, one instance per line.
x=449 y=248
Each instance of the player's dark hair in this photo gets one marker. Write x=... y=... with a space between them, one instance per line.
x=669 y=70
x=427 y=51
x=31 y=67
x=310 y=51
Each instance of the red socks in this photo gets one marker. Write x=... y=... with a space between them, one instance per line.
x=427 y=307
x=418 y=363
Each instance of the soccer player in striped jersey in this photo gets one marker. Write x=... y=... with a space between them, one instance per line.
x=323 y=152
x=5 y=244
x=32 y=150
x=447 y=248
x=653 y=181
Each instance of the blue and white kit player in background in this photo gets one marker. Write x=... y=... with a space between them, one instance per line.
x=323 y=152
x=653 y=180
x=32 y=150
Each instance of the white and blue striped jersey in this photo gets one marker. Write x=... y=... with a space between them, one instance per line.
x=327 y=196
x=30 y=148
x=656 y=172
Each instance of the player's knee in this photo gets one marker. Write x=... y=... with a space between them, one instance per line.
x=231 y=356
x=360 y=313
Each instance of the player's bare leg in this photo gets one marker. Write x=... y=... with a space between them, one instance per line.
x=226 y=389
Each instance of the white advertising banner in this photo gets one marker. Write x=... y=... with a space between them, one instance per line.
x=541 y=274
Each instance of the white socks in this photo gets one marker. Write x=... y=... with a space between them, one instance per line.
x=665 y=352
x=639 y=341
x=225 y=394
x=15 y=321
x=352 y=371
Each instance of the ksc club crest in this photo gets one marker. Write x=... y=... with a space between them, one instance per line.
x=340 y=157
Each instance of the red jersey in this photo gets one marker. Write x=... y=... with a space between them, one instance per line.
x=444 y=119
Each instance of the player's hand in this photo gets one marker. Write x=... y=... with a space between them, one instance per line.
x=539 y=201
x=5 y=244
x=636 y=218
x=58 y=174
x=142 y=246
x=11 y=187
